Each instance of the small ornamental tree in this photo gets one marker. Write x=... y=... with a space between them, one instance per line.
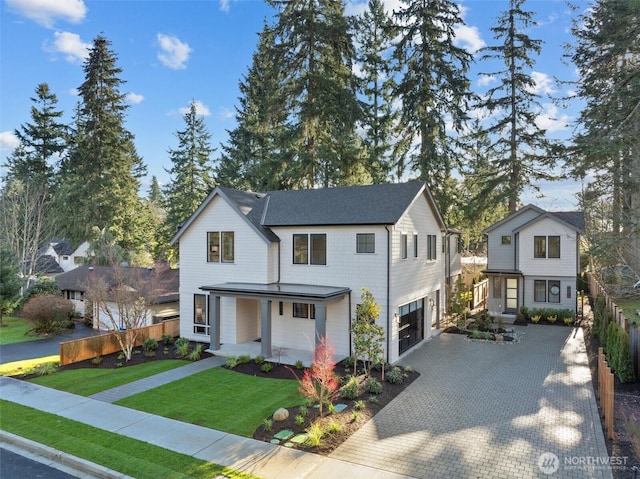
x=368 y=337
x=319 y=382
x=9 y=282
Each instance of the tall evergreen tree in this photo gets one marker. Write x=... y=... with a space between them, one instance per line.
x=314 y=54
x=607 y=142
x=522 y=153
x=375 y=34
x=257 y=156
x=41 y=142
x=100 y=176
x=192 y=170
x=9 y=282
x=434 y=90
x=155 y=192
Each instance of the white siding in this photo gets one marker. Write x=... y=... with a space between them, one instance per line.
x=251 y=264
x=563 y=266
x=501 y=257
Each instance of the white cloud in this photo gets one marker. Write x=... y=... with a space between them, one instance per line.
x=201 y=109
x=485 y=80
x=543 y=83
x=224 y=5
x=173 y=53
x=226 y=113
x=549 y=119
x=8 y=140
x=46 y=12
x=134 y=98
x=70 y=45
x=468 y=38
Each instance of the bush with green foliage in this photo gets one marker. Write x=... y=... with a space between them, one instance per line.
x=351 y=389
x=182 y=346
x=231 y=362
x=149 y=345
x=367 y=336
x=618 y=353
x=266 y=367
x=49 y=313
x=258 y=360
x=167 y=339
x=244 y=359
x=373 y=386
x=395 y=376
x=195 y=354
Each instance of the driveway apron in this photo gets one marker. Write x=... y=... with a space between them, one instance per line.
x=484 y=409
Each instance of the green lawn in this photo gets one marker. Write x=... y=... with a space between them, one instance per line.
x=15 y=331
x=630 y=309
x=26 y=366
x=219 y=399
x=127 y=456
x=88 y=381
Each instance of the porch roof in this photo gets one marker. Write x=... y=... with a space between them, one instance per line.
x=503 y=272
x=280 y=291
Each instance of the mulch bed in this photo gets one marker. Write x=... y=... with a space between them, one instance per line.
x=348 y=421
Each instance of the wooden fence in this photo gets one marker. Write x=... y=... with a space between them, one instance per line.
x=605 y=393
x=595 y=289
x=92 y=346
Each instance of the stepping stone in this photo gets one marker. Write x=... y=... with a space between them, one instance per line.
x=340 y=407
x=284 y=434
x=275 y=441
x=288 y=444
x=299 y=439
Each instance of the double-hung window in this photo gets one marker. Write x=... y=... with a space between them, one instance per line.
x=365 y=243
x=546 y=246
x=200 y=317
x=431 y=247
x=309 y=249
x=220 y=247
x=546 y=291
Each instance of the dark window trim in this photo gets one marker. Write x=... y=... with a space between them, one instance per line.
x=403 y=245
x=363 y=245
x=303 y=310
x=415 y=245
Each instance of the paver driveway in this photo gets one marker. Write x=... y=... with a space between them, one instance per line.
x=488 y=410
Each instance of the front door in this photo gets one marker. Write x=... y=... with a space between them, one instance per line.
x=511 y=295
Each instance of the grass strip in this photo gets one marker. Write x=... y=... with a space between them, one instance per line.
x=88 y=381
x=15 y=331
x=219 y=399
x=119 y=453
x=26 y=366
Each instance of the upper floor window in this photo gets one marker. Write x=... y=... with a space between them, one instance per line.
x=506 y=239
x=220 y=246
x=415 y=245
x=310 y=249
x=403 y=246
x=365 y=243
x=546 y=246
x=431 y=247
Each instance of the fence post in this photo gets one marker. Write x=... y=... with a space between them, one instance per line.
x=634 y=343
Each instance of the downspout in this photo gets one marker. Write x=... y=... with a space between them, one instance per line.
x=386 y=227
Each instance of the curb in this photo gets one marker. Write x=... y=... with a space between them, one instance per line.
x=40 y=451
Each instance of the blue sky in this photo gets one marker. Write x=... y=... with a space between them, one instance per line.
x=175 y=51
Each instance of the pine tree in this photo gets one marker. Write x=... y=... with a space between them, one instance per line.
x=257 y=156
x=191 y=171
x=522 y=153
x=607 y=143
x=375 y=35
x=155 y=192
x=41 y=142
x=434 y=90
x=314 y=53
x=100 y=176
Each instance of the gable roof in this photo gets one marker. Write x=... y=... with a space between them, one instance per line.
x=379 y=204
x=572 y=219
x=168 y=280
x=62 y=247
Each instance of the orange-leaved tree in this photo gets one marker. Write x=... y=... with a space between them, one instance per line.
x=319 y=382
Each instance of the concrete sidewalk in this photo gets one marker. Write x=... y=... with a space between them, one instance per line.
x=240 y=453
x=479 y=409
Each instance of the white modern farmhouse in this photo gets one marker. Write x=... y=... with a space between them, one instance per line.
x=278 y=270
x=533 y=260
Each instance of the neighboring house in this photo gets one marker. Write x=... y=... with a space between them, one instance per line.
x=287 y=267
x=58 y=256
x=533 y=260
x=74 y=285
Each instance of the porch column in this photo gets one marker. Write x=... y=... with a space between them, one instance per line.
x=321 y=321
x=265 y=307
x=214 y=321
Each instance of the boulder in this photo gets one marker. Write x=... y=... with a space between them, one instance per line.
x=280 y=415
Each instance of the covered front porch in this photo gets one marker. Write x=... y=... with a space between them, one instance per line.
x=265 y=296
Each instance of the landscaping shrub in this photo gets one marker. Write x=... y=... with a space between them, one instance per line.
x=244 y=359
x=373 y=386
x=299 y=364
x=395 y=376
x=149 y=345
x=46 y=369
x=266 y=367
x=618 y=353
x=196 y=353
x=167 y=339
x=182 y=346
x=258 y=360
x=49 y=313
x=350 y=389
x=315 y=433
x=43 y=286
x=231 y=362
